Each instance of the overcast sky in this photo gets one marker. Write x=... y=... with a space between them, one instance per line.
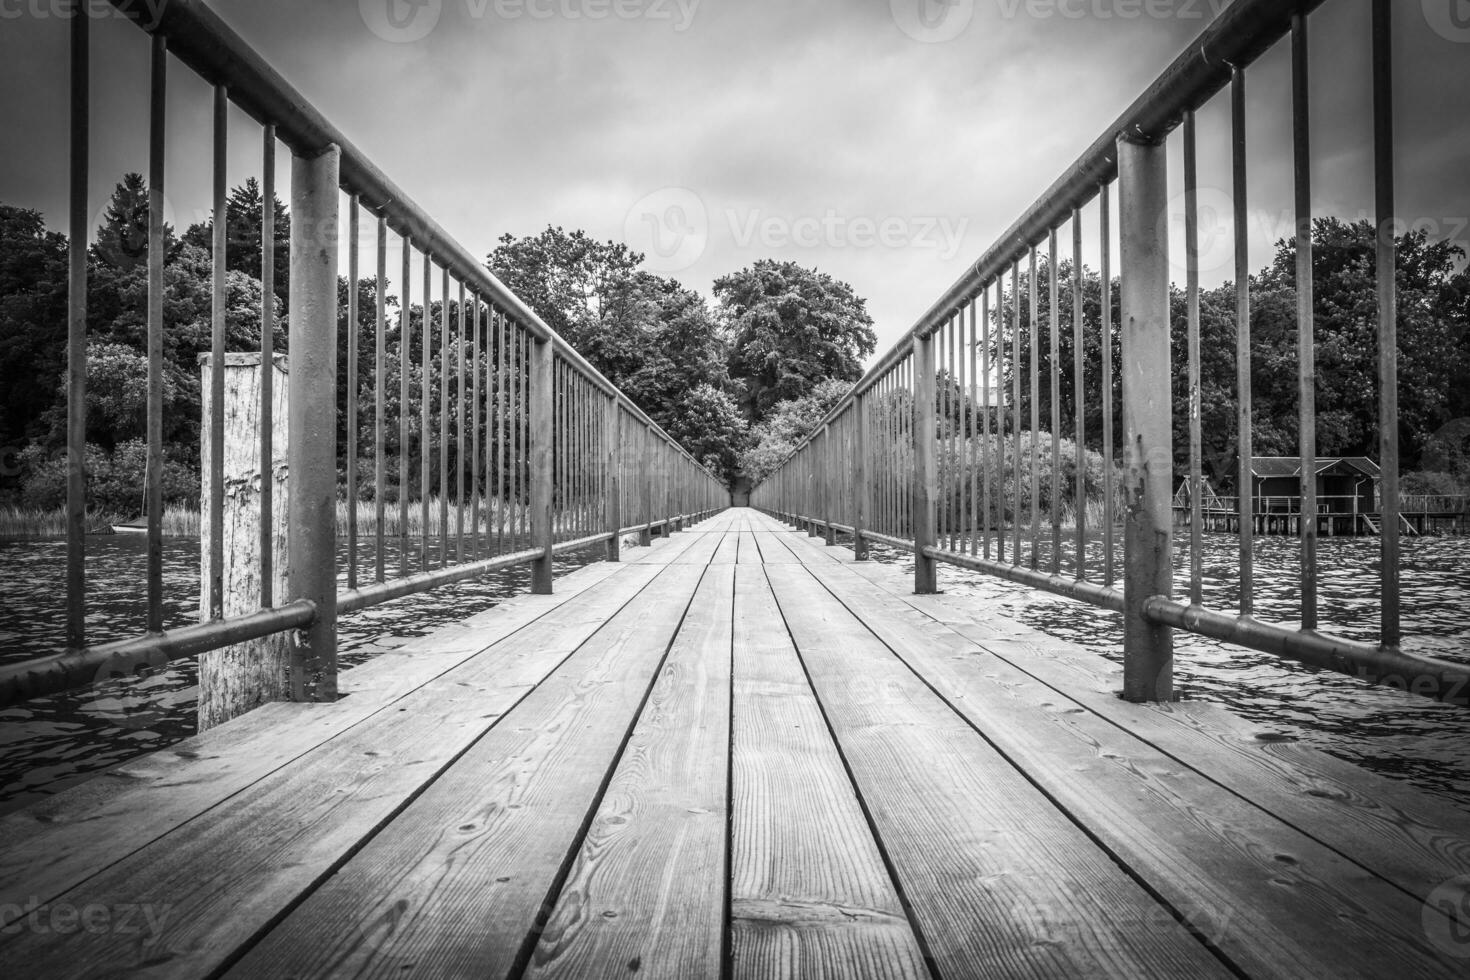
x=887 y=142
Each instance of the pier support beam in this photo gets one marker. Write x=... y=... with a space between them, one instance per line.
x=239 y=678
x=313 y=421
x=1148 y=648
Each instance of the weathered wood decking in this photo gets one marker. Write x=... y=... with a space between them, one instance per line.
x=738 y=753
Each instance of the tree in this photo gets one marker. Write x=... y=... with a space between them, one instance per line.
x=791 y=329
x=122 y=238
x=244 y=228
x=776 y=436
x=33 y=293
x=651 y=337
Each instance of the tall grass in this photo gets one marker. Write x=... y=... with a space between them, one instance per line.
x=23 y=523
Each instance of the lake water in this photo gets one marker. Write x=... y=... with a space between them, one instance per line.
x=47 y=743
x=50 y=742
x=1395 y=734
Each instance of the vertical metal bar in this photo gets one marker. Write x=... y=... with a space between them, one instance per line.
x=926 y=581
x=153 y=478
x=1079 y=396
x=1148 y=650
x=612 y=462
x=477 y=395
x=1054 y=323
x=459 y=435
x=1305 y=315
x=953 y=412
x=1106 y=275
x=405 y=357
x=380 y=395
x=986 y=457
x=962 y=460
x=313 y=420
x=972 y=464
x=444 y=417
x=863 y=499
x=1196 y=465
x=426 y=446
x=76 y=332
x=267 y=362
x=216 y=436
x=1016 y=407
x=1242 y=341
x=502 y=444
x=1388 y=349
x=1034 y=320
x=353 y=231
x=519 y=421
x=542 y=394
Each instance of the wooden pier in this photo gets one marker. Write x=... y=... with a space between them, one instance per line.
x=737 y=753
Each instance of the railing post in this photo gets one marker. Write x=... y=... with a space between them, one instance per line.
x=829 y=488
x=313 y=421
x=645 y=479
x=612 y=515
x=861 y=505
x=1148 y=648
x=926 y=468
x=541 y=393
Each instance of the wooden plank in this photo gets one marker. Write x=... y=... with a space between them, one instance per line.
x=809 y=894
x=773 y=549
x=665 y=550
x=1000 y=882
x=750 y=552
x=1274 y=901
x=56 y=843
x=227 y=873
x=728 y=551
x=642 y=896
x=701 y=552
x=457 y=884
x=1386 y=826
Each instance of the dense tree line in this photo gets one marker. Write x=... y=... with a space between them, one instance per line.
x=1434 y=356
x=708 y=374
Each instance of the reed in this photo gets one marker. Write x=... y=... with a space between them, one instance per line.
x=21 y=523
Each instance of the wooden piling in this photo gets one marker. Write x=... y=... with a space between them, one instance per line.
x=239 y=678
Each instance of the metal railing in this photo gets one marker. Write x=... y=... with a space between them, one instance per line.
x=939 y=448
x=539 y=452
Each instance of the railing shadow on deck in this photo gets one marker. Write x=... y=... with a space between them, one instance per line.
x=915 y=456
x=547 y=455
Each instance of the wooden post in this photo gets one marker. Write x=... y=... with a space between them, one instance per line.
x=1148 y=648
x=829 y=488
x=612 y=516
x=541 y=394
x=239 y=678
x=315 y=184
x=926 y=468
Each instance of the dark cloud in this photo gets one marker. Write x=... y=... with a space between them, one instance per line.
x=801 y=130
